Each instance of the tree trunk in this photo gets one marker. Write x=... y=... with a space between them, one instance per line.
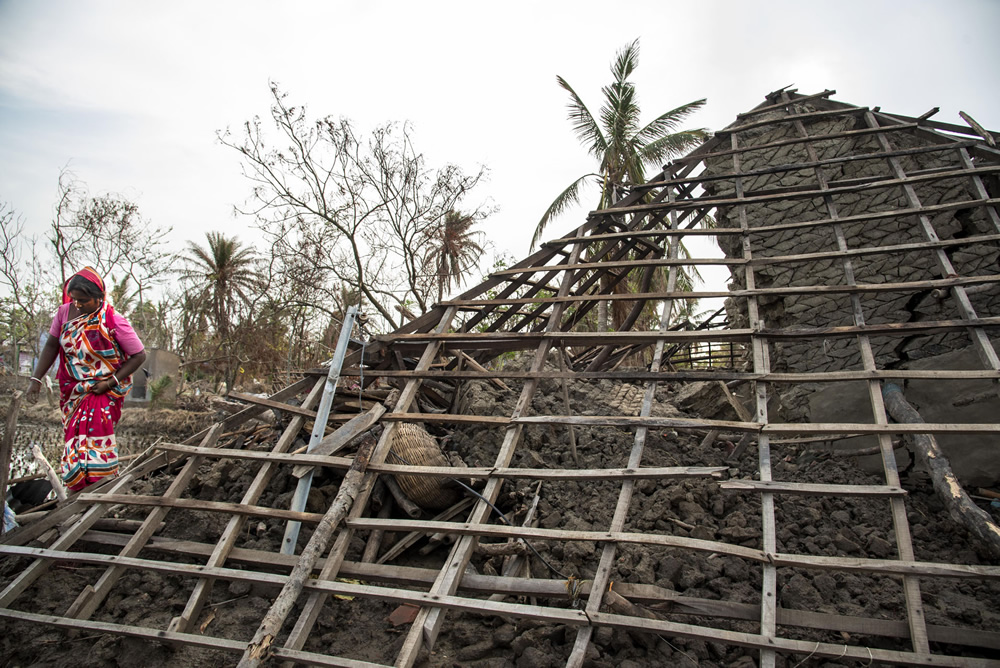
x=949 y=489
x=259 y=648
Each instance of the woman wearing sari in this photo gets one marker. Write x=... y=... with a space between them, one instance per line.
x=98 y=351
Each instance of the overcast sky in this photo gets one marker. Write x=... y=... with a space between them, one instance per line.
x=130 y=95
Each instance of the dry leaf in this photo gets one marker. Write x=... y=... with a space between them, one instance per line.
x=208 y=620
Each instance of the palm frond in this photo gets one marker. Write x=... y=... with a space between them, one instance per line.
x=619 y=115
x=584 y=125
x=671 y=145
x=666 y=123
x=626 y=61
x=566 y=199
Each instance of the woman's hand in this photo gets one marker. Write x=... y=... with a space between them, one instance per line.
x=34 y=388
x=48 y=355
x=102 y=386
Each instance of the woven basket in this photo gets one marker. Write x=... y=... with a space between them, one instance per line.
x=413 y=446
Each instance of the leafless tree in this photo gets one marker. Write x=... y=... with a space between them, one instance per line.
x=22 y=277
x=108 y=233
x=352 y=210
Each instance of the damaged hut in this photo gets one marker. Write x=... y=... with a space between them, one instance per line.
x=499 y=486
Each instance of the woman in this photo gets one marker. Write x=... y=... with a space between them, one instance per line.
x=98 y=352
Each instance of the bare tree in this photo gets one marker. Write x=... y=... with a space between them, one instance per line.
x=22 y=276
x=358 y=211
x=108 y=233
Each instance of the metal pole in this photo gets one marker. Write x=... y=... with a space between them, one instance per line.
x=319 y=428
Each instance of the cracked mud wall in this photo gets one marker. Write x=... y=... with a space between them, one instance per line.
x=833 y=402
x=823 y=310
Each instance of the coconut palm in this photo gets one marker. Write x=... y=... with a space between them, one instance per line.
x=122 y=296
x=222 y=277
x=454 y=249
x=623 y=148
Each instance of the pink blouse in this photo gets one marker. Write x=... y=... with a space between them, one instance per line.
x=119 y=326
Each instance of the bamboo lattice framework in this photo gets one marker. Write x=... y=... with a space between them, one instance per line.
x=813 y=202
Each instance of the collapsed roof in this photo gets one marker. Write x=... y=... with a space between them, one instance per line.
x=863 y=247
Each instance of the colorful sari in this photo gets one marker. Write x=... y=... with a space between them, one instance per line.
x=88 y=354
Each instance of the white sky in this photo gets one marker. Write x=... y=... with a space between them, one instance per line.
x=130 y=95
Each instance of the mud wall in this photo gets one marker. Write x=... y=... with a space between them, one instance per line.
x=822 y=310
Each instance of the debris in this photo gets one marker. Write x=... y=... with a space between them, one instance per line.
x=404 y=614
x=259 y=647
x=413 y=446
x=949 y=489
x=208 y=620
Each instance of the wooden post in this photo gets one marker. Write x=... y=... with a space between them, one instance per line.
x=259 y=648
x=50 y=472
x=560 y=354
x=978 y=128
x=7 y=445
x=374 y=543
x=961 y=508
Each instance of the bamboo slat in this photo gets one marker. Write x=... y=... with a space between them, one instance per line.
x=812 y=489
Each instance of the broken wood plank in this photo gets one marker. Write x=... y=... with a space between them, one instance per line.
x=374 y=543
x=54 y=480
x=404 y=502
x=342 y=436
x=782 y=105
x=259 y=648
x=407 y=541
x=812 y=489
x=641 y=473
x=468 y=472
x=948 y=487
x=740 y=409
x=563 y=358
x=257 y=455
x=983 y=132
x=753 y=427
x=505 y=531
x=687 y=375
x=514 y=565
x=407 y=576
x=479 y=367
x=196 y=504
x=239 y=418
x=788 y=195
x=275 y=405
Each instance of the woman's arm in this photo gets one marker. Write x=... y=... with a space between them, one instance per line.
x=129 y=344
x=49 y=353
x=131 y=365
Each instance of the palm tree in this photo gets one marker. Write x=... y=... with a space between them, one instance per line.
x=622 y=147
x=223 y=277
x=454 y=249
x=121 y=297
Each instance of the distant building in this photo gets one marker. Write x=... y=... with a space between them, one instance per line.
x=159 y=364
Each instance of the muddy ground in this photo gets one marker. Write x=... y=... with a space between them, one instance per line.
x=697 y=508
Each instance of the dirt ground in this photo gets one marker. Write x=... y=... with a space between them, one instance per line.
x=698 y=508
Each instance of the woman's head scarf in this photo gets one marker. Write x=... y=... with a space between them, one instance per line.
x=88 y=273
